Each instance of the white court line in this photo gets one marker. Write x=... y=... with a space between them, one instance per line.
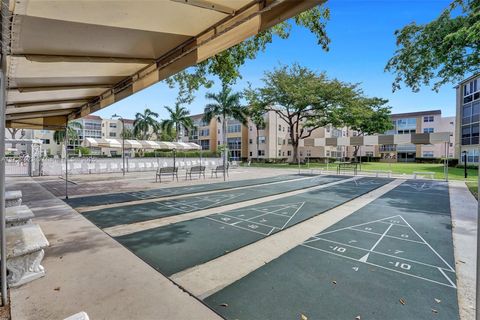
x=293 y=215
x=244 y=220
x=228 y=224
x=357 y=225
x=400 y=225
x=451 y=269
x=451 y=282
x=372 y=264
x=381 y=237
x=378 y=252
x=387 y=236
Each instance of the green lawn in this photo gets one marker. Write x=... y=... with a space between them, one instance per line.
x=396 y=168
x=473 y=187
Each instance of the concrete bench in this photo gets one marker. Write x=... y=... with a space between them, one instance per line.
x=378 y=173
x=16 y=216
x=13 y=198
x=25 y=246
x=78 y=316
x=422 y=173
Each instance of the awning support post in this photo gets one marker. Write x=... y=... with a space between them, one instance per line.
x=66 y=161
x=3 y=238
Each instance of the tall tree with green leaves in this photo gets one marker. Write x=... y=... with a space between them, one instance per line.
x=444 y=50
x=179 y=119
x=305 y=100
x=226 y=105
x=226 y=65
x=145 y=124
x=367 y=116
x=257 y=117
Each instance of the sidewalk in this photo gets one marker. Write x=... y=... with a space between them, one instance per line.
x=88 y=271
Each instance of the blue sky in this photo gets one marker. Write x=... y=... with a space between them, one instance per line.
x=362 y=41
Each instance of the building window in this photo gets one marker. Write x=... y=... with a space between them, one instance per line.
x=112 y=125
x=428 y=154
x=279 y=127
x=261 y=153
x=113 y=134
x=328 y=153
x=309 y=153
x=250 y=141
x=250 y=128
x=427 y=130
x=369 y=153
x=428 y=119
x=289 y=153
x=261 y=139
x=205 y=144
x=279 y=153
x=45 y=141
x=234 y=128
x=251 y=153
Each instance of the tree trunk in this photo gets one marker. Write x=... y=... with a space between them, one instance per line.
x=295 y=151
x=258 y=142
x=355 y=151
x=225 y=145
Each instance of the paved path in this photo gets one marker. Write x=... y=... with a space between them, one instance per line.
x=87 y=270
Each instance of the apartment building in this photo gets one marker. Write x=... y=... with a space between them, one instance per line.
x=273 y=141
x=210 y=136
x=48 y=143
x=468 y=120
x=415 y=122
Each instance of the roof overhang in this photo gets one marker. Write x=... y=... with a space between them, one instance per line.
x=67 y=59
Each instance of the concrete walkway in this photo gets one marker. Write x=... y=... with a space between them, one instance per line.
x=88 y=271
x=464 y=220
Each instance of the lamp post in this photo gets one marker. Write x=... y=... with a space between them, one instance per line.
x=464 y=152
x=123 y=140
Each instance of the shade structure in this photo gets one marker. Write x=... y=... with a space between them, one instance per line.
x=141 y=144
x=412 y=138
x=67 y=59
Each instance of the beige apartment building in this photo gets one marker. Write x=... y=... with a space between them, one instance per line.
x=429 y=121
x=468 y=120
x=209 y=136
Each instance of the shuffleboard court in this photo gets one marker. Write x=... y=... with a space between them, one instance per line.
x=96 y=200
x=173 y=248
x=392 y=259
x=127 y=214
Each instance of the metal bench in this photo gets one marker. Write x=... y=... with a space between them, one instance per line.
x=166 y=171
x=422 y=173
x=347 y=166
x=219 y=169
x=25 y=246
x=13 y=198
x=18 y=215
x=200 y=170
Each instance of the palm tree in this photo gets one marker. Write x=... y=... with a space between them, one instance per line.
x=72 y=134
x=226 y=104
x=179 y=118
x=144 y=124
x=257 y=117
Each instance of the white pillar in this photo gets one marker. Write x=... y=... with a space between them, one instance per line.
x=3 y=239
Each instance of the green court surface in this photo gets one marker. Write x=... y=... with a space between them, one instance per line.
x=96 y=200
x=392 y=259
x=109 y=217
x=179 y=246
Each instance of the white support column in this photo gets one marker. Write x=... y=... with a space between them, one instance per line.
x=3 y=239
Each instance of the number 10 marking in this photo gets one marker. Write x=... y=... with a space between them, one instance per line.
x=339 y=249
x=404 y=266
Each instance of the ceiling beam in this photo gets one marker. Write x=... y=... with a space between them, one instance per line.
x=208 y=5
x=43 y=58
x=40 y=103
x=59 y=88
x=38 y=114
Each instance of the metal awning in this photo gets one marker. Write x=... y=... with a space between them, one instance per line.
x=141 y=144
x=382 y=139
x=67 y=59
